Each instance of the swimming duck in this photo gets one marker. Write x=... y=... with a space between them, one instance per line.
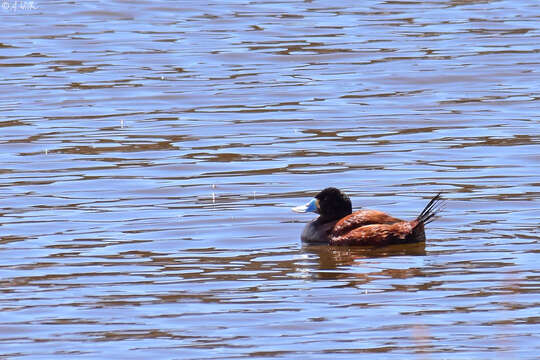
x=338 y=225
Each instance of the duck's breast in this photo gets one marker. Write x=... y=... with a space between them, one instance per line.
x=317 y=232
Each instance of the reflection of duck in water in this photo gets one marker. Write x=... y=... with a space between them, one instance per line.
x=345 y=262
x=338 y=225
x=333 y=257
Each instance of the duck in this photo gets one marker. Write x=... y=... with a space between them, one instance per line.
x=338 y=225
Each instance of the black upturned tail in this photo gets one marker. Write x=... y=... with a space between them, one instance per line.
x=430 y=211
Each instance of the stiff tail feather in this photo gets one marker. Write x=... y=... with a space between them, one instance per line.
x=431 y=210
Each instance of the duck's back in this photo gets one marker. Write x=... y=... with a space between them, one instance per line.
x=381 y=234
x=373 y=227
x=362 y=218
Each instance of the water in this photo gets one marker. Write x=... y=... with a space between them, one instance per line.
x=150 y=154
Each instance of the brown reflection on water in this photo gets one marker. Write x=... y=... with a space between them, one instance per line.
x=333 y=257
